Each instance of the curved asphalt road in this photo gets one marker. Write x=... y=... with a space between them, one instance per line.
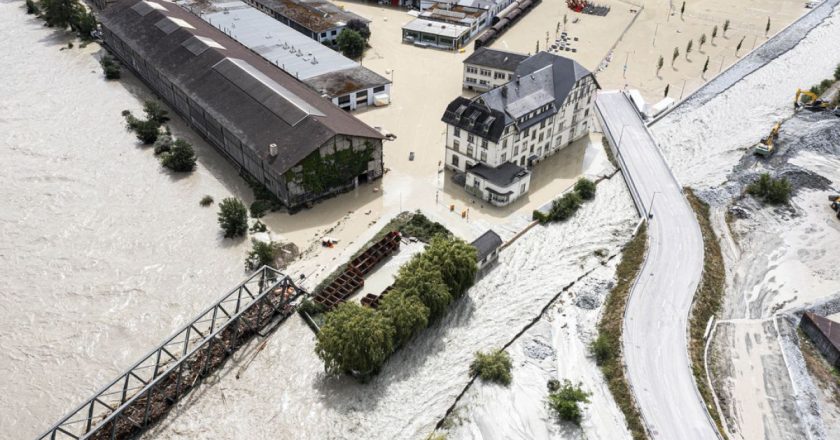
x=655 y=322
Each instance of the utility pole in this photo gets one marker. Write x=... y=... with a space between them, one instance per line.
x=654 y=34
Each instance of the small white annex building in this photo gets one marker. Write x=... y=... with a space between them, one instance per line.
x=495 y=138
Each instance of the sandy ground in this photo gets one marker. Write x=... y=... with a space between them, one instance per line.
x=656 y=33
x=776 y=259
x=285 y=386
x=94 y=233
x=555 y=348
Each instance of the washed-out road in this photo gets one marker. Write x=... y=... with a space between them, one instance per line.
x=655 y=322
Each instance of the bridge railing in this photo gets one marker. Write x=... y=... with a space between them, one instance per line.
x=146 y=390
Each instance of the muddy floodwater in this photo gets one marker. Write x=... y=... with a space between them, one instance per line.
x=102 y=252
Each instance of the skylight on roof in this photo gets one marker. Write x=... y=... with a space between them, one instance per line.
x=169 y=25
x=144 y=7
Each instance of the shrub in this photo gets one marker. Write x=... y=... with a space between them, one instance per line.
x=566 y=402
x=181 y=158
x=540 y=217
x=423 y=279
x=258 y=227
x=350 y=43
x=262 y=254
x=259 y=207
x=837 y=73
x=233 y=217
x=770 y=190
x=354 y=338
x=585 y=188
x=601 y=349
x=32 y=7
x=82 y=21
x=310 y=307
x=420 y=227
x=163 y=144
x=456 y=260
x=492 y=367
x=155 y=112
x=110 y=67
x=565 y=207
x=407 y=314
x=206 y=201
x=147 y=131
x=553 y=385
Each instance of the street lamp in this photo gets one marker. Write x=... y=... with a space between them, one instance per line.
x=650 y=206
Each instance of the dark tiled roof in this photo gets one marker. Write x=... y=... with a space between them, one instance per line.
x=502 y=175
x=496 y=59
x=486 y=244
x=315 y=15
x=829 y=328
x=475 y=118
x=253 y=99
x=345 y=81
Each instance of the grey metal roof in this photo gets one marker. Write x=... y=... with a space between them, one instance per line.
x=495 y=59
x=281 y=45
x=502 y=175
x=436 y=28
x=476 y=118
x=250 y=97
x=486 y=244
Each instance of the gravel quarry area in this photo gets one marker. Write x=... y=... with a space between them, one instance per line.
x=285 y=386
x=778 y=258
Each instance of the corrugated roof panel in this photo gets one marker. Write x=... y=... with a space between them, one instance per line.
x=283 y=103
x=169 y=25
x=144 y=7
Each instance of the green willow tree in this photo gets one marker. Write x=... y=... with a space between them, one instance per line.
x=456 y=260
x=422 y=279
x=233 y=217
x=355 y=338
x=407 y=314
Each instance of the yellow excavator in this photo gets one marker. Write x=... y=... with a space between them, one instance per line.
x=814 y=105
x=767 y=145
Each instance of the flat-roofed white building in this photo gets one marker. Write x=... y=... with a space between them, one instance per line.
x=345 y=82
x=487 y=68
x=429 y=33
x=495 y=138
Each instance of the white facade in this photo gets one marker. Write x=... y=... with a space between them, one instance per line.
x=525 y=141
x=361 y=98
x=482 y=79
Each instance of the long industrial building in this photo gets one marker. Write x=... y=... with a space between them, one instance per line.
x=296 y=143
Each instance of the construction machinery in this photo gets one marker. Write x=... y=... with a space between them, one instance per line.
x=835 y=204
x=768 y=144
x=814 y=105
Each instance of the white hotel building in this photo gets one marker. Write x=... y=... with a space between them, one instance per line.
x=495 y=138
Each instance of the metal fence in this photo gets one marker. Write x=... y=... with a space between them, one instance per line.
x=147 y=390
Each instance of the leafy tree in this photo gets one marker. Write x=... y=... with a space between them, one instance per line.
x=155 y=112
x=714 y=34
x=566 y=402
x=585 y=188
x=725 y=27
x=58 y=13
x=659 y=64
x=110 y=67
x=233 y=217
x=32 y=7
x=456 y=260
x=181 y=158
x=770 y=190
x=702 y=42
x=350 y=43
x=674 y=56
x=565 y=207
x=422 y=279
x=688 y=48
x=407 y=314
x=163 y=144
x=82 y=21
x=146 y=131
x=361 y=27
x=354 y=338
x=262 y=254
x=492 y=367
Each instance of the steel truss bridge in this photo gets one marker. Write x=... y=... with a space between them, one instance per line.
x=148 y=389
